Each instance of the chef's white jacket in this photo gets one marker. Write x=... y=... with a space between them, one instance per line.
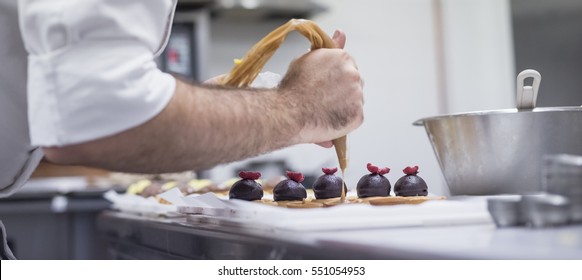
x=75 y=71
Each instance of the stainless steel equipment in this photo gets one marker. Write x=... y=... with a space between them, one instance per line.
x=501 y=151
x=540 y=210
x=545 y=210
x=562 y=174
x=505 y=211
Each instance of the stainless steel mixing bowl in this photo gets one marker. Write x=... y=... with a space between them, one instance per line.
x=501 y=152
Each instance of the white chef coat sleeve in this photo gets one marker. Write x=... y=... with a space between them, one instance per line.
x=91 y=67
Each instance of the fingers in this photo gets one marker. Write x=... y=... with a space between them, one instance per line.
x=326 y=144
x=339 y=37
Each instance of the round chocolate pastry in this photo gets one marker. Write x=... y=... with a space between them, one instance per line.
x=247 y=188
x=328 y=185
x=374 y=184
x=270 y=184
x=290 y=189
x=410 y=184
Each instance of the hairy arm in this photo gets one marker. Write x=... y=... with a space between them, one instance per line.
x=319 y=99
x=200 y=127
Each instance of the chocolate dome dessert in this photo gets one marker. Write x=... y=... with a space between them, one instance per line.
x=328 y=185
x=374 y=184
x=269 y=184
x=290 y=189
x=410 y=184
x=247 y=188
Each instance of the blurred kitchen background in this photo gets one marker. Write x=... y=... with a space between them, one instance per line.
x=418 y=58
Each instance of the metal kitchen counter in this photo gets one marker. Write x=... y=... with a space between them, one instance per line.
x=130 y=236
x=54 y=225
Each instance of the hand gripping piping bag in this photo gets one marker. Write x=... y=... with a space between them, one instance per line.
x=245 y=72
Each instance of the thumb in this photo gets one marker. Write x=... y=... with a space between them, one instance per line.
x=339 y=37
x=326 y=144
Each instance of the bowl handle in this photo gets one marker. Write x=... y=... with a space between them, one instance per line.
x=528 y=95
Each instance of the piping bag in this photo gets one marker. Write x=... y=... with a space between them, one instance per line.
x=245 y=72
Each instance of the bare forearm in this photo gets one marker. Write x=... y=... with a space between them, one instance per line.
x=319 y=99
x=239 y=124
x=200 y=128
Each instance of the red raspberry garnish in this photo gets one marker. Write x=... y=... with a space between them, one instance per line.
x=372 y=168
x=295 y=176
x=329 y=171
x=376 y=170
x=384 y=170
x=250 y=175
x=411 y=170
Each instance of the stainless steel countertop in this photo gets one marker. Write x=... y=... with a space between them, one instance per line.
x=464 y=242
x=482 y=241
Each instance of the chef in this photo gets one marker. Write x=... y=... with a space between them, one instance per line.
x=79 y=85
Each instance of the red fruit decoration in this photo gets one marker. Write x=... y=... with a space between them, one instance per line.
x=249 y=175
x=410 y=170
x=329 y=171
x=247 y=188
x=374 y=184
x=290 y=189
x=295 y=176
x=376 y=170
x=410 y=184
